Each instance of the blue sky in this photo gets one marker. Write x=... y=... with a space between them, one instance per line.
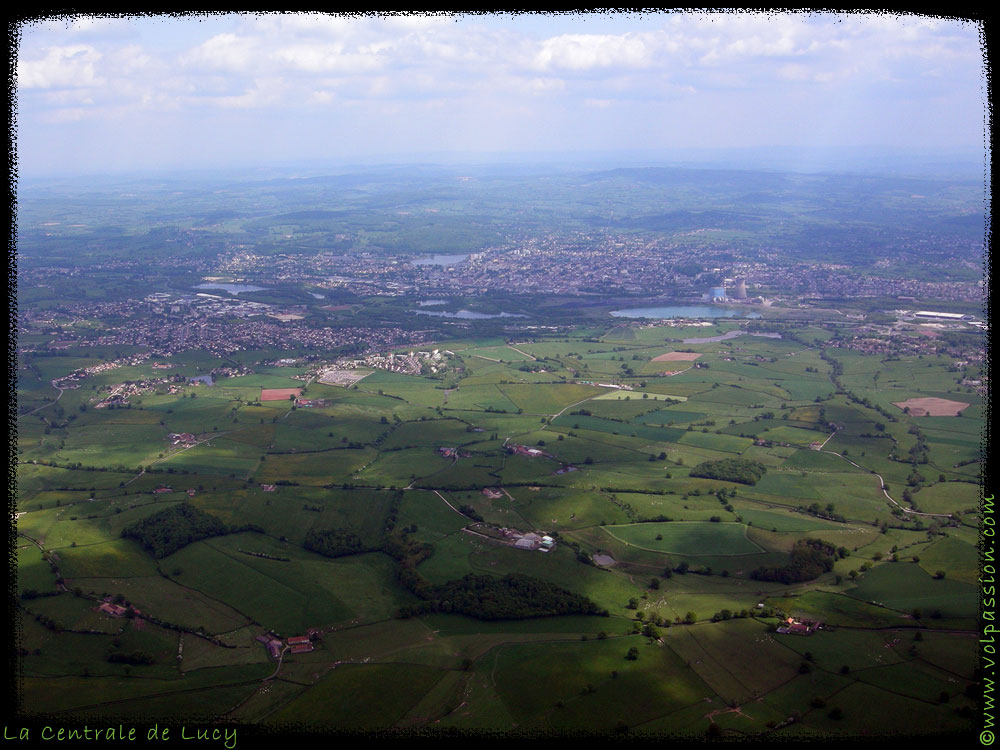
x=136 y=93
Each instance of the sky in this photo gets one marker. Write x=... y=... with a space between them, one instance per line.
x=101 y=94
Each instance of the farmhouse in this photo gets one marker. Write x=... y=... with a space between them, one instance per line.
x=311 y=402
x=534 y=541
x=115 y=610
x=799 y=627
x=523 y=450
x=273 y=645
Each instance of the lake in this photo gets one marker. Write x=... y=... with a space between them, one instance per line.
x=683 y=311
x=468 y=314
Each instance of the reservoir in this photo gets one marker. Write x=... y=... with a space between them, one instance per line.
x=683 y=311
x=231 y=288
x=469 y=315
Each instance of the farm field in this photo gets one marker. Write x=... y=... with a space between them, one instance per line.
x=501 y=543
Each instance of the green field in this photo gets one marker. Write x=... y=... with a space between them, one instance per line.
x=417 y=480
x=689 y=539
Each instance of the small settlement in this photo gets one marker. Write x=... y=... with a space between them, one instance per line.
x=799 y=627
x=297 y=644
x=523 y=450
x=534 y=541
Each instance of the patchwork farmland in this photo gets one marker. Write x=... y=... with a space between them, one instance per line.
x=375 y=550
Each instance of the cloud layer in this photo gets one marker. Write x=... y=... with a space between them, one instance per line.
x=340 y=84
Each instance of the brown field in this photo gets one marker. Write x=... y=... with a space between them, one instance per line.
x=677 y=357
x=279 y=394
x=932 y=407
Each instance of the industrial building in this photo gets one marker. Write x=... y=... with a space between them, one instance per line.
x=942 y=315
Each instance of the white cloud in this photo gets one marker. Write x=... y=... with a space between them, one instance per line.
x=265 y=92
x=302 y=24
x=419 y=21
x=546 y=85
x=130 y=60
x=224 y=52
x=62 y=67
x=579 y=52
x=482 y=68
x=325 y=58
x=322 y=97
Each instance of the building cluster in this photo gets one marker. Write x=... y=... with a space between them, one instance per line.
x=901 y=343
x=796 y=626
x=588 y=262
x=406 y=364
x=530 y=541
x=121 y=392
x=412 y=363
x=524 y=450
x=108 y=607
x=73 y=379
x=166 y=337
x=297 y=644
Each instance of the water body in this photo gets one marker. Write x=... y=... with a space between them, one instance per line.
x=683 y=311
x=232 y=288
x=439 y=260
x=730 y=335
x=206 y=379
x=469 y=315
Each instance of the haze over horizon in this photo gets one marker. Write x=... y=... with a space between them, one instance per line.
x=106 y=95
